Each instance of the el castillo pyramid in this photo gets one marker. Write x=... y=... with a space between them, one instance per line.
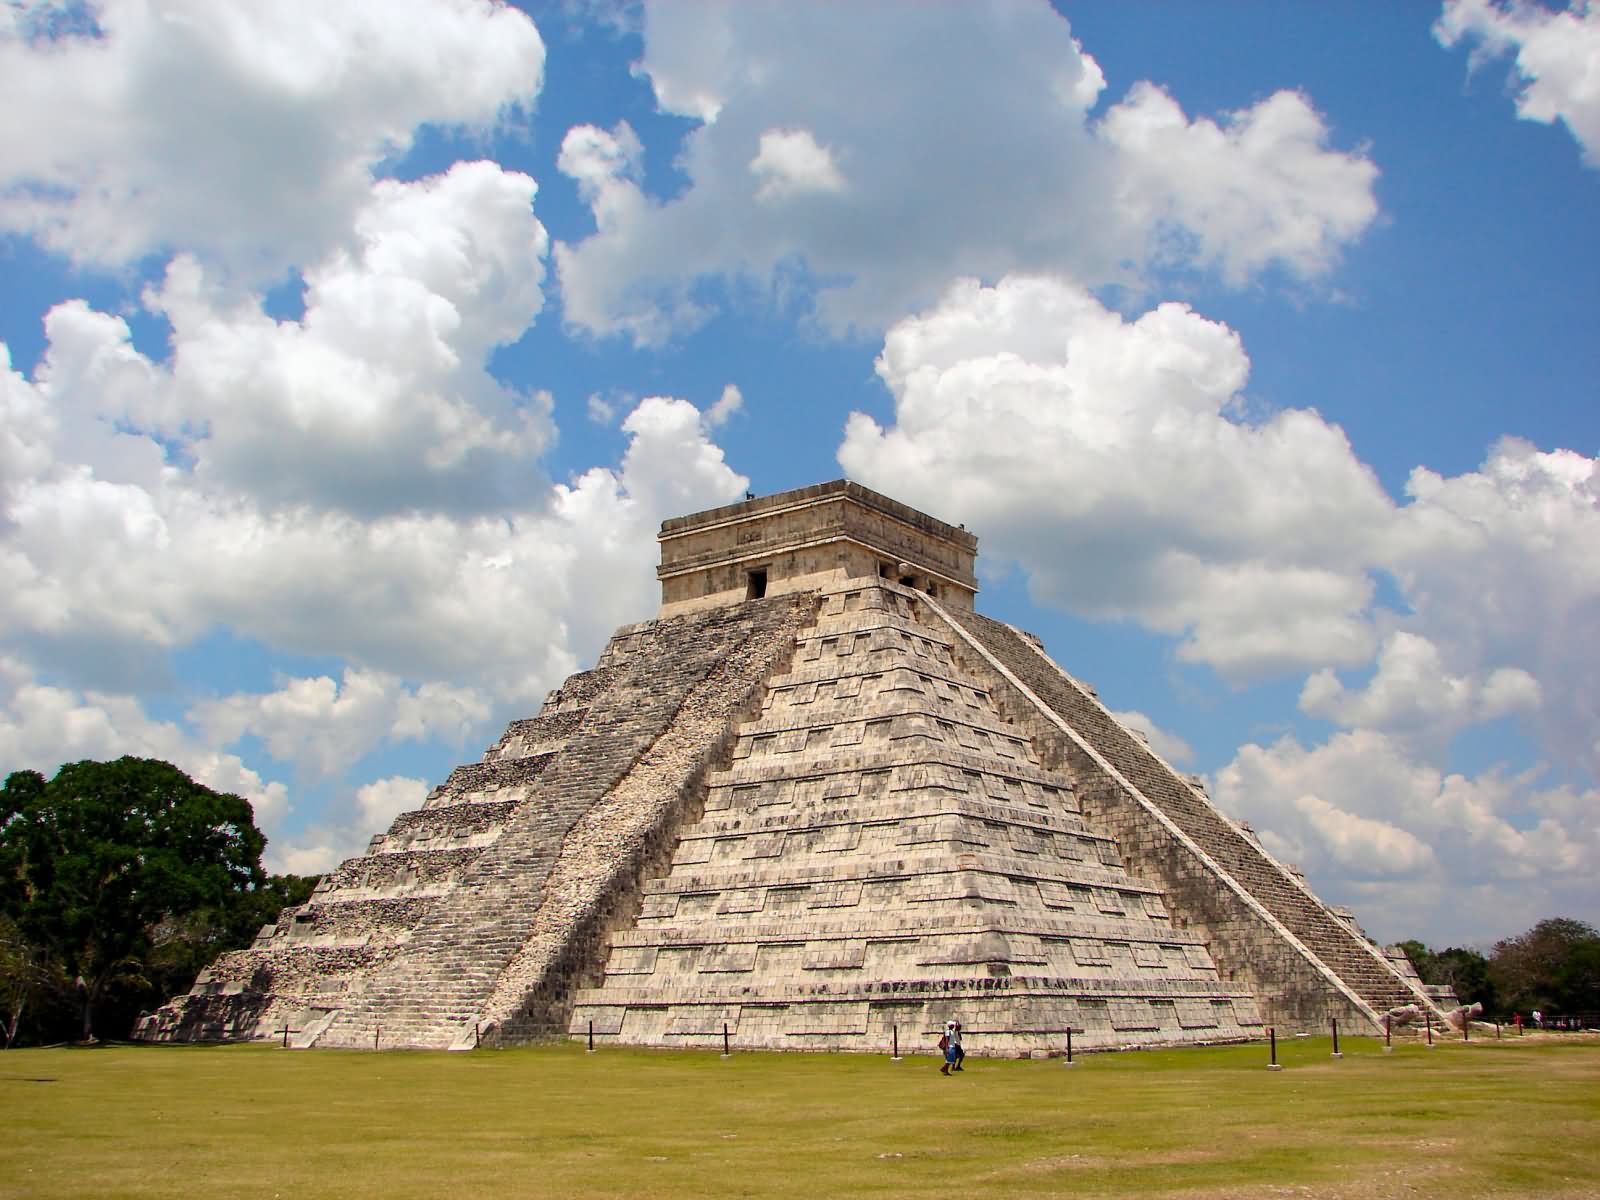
x=818 y=802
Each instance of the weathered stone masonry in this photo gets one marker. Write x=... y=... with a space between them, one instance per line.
x=886 y=850
x=1261 y=923
x=819 y=802
x=487 y=867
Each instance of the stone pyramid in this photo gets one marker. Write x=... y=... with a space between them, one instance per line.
x=818 y=803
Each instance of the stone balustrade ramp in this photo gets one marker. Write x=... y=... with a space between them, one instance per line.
x=817 y=803
x=1209 y=892
x=887 y=852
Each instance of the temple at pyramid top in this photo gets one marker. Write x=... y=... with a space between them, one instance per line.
x=805 y=539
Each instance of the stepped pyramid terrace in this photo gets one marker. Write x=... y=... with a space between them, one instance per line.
x=819 y=802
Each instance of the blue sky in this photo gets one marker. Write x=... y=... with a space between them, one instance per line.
x=355 y=355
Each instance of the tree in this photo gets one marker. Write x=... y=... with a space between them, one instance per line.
x=1555 y=966
x=1421 y=958
x=108 y=867
x=23 y=974
x=1467 y=973
x=1578 y=978
x=181 y=944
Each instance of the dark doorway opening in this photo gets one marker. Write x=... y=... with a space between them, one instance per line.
x=757 y=587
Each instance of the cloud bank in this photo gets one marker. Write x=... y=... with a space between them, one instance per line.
x=843 y=160
x=245 y=133
x=1118 y=463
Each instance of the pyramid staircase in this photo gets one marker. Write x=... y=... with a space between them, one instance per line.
x=886 y=852
x=1145 y=802
x=406 y=945
x=817 y=803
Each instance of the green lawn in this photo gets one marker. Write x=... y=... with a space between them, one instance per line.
x=1515 y=1118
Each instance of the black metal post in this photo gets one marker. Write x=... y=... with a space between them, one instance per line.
x=1387 y=1044
x=1428 y=1018
x=1466 y=1026
x=1336 y=1053
x=477 y=1035
x=896 y=1042
x=591 y=1037
x=376 y=1030
x=1272 y=1036
x=1069 y=1043
x=1497 y=1031
x=726 y=1052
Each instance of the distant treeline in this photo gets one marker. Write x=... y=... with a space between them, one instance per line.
x=1554 y=967
x=119 y=881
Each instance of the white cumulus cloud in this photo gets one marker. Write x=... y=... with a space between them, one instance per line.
x=1362 y=845
x=43 y=726
x=382 y=800
x=109 y=576
x=1412 y=692
x=378 y=399
x=1397 y=837
x=323 y=726
x=1556 y=52
x=1501 y=568
x=246 y=133
x=1261 y=187
x=790 y=163
x=730 y=402
x=832 y=146
x=1110 y=457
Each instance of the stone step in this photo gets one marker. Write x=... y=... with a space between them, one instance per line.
x=1333 y=942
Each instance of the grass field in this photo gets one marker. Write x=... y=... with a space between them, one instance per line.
x=1515 y=1118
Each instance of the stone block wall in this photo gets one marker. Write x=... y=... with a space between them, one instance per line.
x=839 y=814
x=405 y=945
x=1263 y=926
x=886 y=851
x=806 y=539
x=630 y=833
x=533 y=896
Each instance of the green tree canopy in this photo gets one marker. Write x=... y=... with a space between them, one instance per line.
x=124 y=876
x=1421 y=958
x=1555 y=966
x=1465 y=971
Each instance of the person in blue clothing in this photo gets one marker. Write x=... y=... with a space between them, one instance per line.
x=950 y=1043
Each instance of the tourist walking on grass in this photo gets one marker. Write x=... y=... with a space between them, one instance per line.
x=950 y=1043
